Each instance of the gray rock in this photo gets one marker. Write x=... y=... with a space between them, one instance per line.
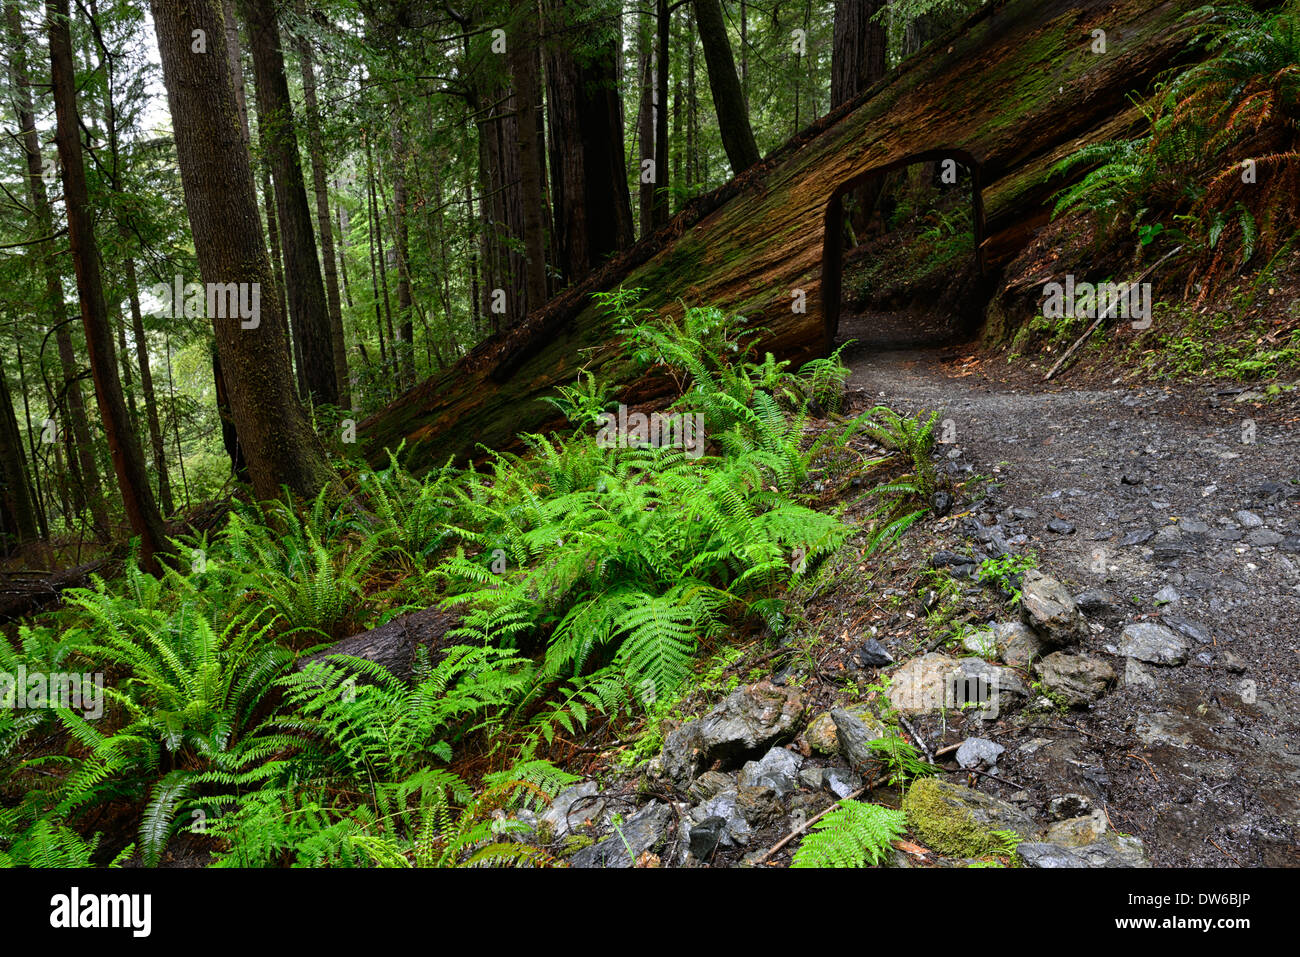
x=979 y=753
x=1247 y=519
x=1168 y=542
x=1262 y=537
x=1188 y=629
x=841 y=782
x=710 y=783
x=759 y=806
x=1050 y=610
x=736 y=831
x=745 y=724
x=1167 y=595
x=646 y=830
x=1060 y=527
x=1075 y=680
x=1095 y=601
x=1137 y=675
x=575 y=806
x=1154 y=643
x=1138 y=537
x=853 y=736
x=705 y=837
x=778 y=770
x=873 y=654
x=813 y=778
x=1070 y=805
x=918 y=686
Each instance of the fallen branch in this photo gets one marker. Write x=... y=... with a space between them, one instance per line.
x=1104 y=315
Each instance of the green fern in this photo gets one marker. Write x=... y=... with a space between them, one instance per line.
x=853 y=835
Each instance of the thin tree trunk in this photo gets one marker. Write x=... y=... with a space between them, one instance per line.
x=728 y=97
x=646 y=131
x=319 y=179
x=128 y=460
x=146 y=387
x=22 y=525
x=662 y=65
x=401 y=248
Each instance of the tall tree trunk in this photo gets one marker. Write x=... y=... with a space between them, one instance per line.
x=402 y=254
x=589 y=192
x=857 y=62
x=645 y=129
x=319 y=179
x=146 y=387
x=662 y=65
x=523 y=69
x=128 y=460
x=21 y=524
x=274 y=434
x=308 y=310
x=728 y=97
x=85 y=473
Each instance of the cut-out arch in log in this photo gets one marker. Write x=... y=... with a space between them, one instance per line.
x=1009 y=91
x=831 y=288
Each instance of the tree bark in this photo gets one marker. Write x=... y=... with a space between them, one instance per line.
x=589 y=191
x=274 y=433
x=523 y=69
x=20 y=524
x=320 y=179
x=402 y=253
x=146 y=387
x=84 y=471
x=728 y=97
x=858 y=61
x=304 y=287
x=128 y=460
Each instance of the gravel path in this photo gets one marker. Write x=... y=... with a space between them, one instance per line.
x=1183 y=504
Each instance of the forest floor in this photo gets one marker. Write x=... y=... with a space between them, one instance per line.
x=1173 y=502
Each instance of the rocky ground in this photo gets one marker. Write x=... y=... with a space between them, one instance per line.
x=1148 y=677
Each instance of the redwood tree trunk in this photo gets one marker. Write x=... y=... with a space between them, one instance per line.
x=304 y=286
x=274 y=433
x=128 y=459
x=593 y=208
x=523 y=69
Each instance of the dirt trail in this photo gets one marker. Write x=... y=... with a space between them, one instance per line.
x=1178 y=487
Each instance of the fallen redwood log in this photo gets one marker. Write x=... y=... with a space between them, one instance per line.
x=1007 y=93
